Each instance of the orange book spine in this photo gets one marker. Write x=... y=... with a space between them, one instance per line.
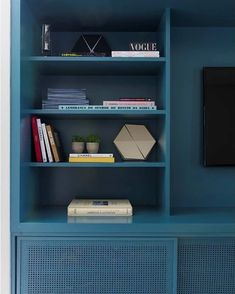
x=52 y=143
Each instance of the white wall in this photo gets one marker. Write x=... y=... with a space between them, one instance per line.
x=5 y=145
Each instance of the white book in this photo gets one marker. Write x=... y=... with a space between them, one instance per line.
x=102 y=107
x=90 y=155
x=99 y=207
x=41 y=140
x=135 y=54
x=48 y=147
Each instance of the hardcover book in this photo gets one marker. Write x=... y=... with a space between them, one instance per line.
x=91 y=159
x=103 y=107
x=47 y=144
x=54 y=148
x=97 y=207
x=41 y=140
x=128 y=103
x=135 y=54
x=85 y=155
x=36 y=141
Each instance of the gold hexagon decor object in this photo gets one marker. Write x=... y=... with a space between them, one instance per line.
x=134 y=142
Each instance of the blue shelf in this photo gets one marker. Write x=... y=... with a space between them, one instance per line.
x=138 y=164
x=56 y=65
x=147 y=219
x=93 y=113
x=95 y=59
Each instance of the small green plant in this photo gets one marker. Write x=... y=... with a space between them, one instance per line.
x=93 y=139
x=77 y=138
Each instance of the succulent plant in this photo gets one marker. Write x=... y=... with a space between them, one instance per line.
x=78 y=138
x=93 y=139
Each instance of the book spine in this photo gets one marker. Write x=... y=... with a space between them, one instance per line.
x=52 y=142
x=70 y=55
x=133 y=107
x=102 y=107
x=41 y=140
x=135 y=54
x=128 y=103
x=98 y=212
x=48 y=148
x=82 y=107
x=134 y=99
x=37 y=147
x=91 y=155
x=91 y=159
x=58 y=145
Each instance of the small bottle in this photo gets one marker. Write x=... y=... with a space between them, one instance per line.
x=46 y=40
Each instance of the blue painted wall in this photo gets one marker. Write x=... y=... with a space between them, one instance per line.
x=193 y=185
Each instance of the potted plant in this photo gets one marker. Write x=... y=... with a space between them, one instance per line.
x=92 y=143
x=78 y=143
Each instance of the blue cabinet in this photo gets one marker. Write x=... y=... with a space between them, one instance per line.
x=96 y=265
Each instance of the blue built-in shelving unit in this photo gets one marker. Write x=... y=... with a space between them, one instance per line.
x=184 y=214
x=103 y=77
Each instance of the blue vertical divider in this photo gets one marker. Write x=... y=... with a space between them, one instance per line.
x=165 y=27
x=15 y=112
x=15 y=136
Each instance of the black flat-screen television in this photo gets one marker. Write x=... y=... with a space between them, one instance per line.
x=219 y=116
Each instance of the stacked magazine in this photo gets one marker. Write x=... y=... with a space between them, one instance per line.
x=57 y=97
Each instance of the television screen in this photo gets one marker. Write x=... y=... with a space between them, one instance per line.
x=219 y=116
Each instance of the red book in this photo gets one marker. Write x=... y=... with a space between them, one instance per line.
x=134 y=99
x=128 y=103
x=36 y=141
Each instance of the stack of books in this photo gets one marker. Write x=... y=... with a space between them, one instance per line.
x=131 y=104
x=91 y=157
x=58 y=97
x=99 y=207
x=46 y=142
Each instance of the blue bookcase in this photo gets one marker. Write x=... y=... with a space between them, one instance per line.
x=184 y=214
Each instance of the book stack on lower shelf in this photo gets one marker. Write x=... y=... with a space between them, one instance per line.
x=100 y=207
x=91 y=157
x=46 y=142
